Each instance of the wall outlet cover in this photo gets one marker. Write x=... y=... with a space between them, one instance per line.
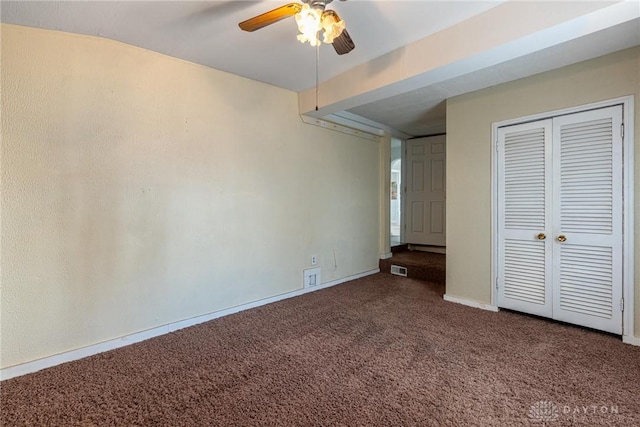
x=312 y=277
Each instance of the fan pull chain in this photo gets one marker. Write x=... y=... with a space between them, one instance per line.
x=317 y=74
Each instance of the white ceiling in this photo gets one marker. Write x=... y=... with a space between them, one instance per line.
x=423 y=111
x=206 y=32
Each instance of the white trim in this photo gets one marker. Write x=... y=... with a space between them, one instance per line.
x=69 y=356
x=403 y=193
x=562 y=112
x=366 y=133
x=428 y=248
x=628 y=272
x=358 y=122
x=493 y=224
x=386 y=255
x=470 y=303
x=631 y=340
x=628 y=257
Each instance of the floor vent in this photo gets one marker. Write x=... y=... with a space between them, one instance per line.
x=398 y=270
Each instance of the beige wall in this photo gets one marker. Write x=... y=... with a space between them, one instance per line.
x=139 y=190
x=469 y=119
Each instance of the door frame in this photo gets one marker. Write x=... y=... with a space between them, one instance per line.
x=628 y=248
x=403 y=188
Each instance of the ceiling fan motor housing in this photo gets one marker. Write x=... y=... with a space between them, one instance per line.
x=318 y=4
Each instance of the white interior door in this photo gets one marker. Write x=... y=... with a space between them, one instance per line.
x=588 y=220
x=524 y=259
x=560 y=218
x=426 y=191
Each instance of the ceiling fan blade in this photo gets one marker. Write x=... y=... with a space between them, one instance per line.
x=270 y=17
x=343 y=43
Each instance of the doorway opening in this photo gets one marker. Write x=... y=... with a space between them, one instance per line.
x=396 y=204
x=396 y=193
x=418 y=261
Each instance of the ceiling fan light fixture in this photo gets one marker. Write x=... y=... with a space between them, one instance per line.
x=332 y=27
x=309 y=21
x=312 y=19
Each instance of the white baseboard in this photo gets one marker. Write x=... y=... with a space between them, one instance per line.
x=470 y=303
x=386 y=256
x=426 y=248
x=631 y=340
x=69 y=356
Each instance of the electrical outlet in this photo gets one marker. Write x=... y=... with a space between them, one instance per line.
x=314 y=259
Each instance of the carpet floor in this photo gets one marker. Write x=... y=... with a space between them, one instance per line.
x=427 y=266
x=378 y=351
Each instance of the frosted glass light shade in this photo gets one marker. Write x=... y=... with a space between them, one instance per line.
x=309 y=22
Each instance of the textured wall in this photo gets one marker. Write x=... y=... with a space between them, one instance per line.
x=139 y=190
x=469 y=119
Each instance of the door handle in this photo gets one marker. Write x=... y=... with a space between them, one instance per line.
x=541 y=236
x=562 y=238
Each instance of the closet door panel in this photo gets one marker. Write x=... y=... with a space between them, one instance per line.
x=587 y=166
x=524 y=188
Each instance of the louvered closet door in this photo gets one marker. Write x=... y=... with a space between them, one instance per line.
x=524 y=219
x=588 y=194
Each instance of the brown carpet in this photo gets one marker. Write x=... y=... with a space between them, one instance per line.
x=427 y=266
x=382 y=350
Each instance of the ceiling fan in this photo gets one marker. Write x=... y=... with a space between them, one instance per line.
x=312 y=18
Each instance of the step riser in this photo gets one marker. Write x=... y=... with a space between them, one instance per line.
x=415 y=264
x=427 y=274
